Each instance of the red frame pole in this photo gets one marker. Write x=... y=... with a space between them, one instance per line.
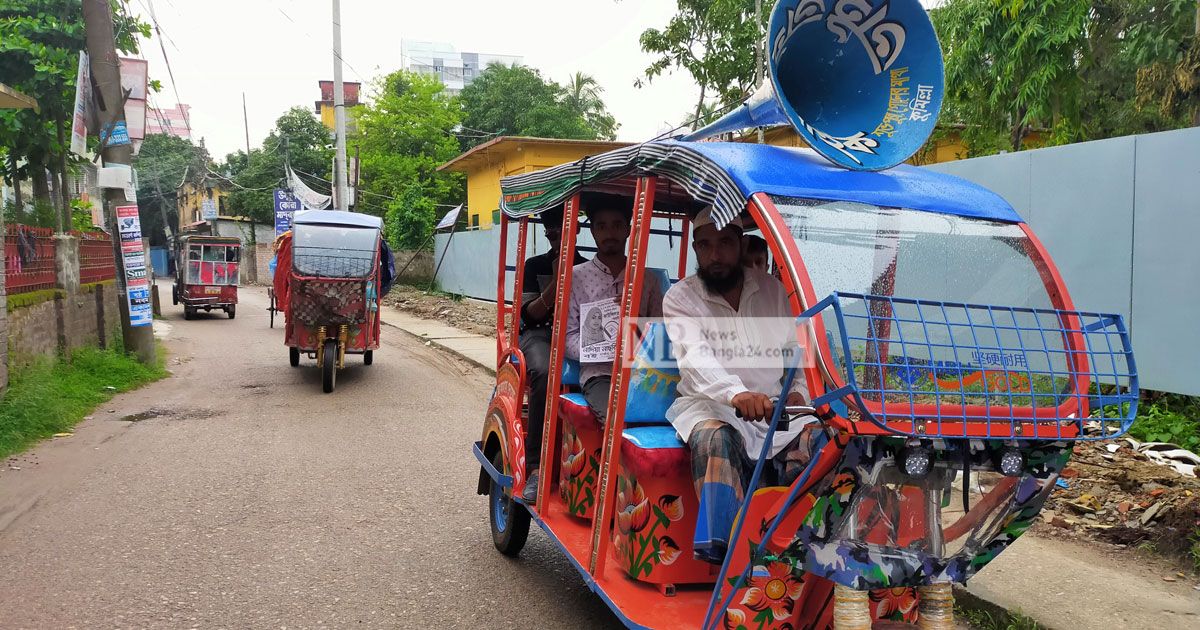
x=502 y=268
x=515 y=319
x=639 y=240
x=566 y=256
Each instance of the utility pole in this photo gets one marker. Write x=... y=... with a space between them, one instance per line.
x=246 y=122
x=110 y=109
x=339 y=114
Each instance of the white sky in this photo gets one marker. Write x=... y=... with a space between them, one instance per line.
x=221 y=48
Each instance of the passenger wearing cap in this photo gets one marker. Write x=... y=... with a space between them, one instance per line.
x=729 y=326
x=602 y=279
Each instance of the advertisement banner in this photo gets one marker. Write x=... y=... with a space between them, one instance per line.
x=133 y=259
x=135 y=77
x=286 y=207
x=83 y=100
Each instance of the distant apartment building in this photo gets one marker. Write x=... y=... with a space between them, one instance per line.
x=172 y=121
x=454 y=69
x=324 y=107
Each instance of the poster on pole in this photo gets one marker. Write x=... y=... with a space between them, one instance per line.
x=83 y=99
x=286 y=207
x=133 y=263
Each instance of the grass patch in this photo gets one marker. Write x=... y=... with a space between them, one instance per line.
x=49 y=396
x=984 y=620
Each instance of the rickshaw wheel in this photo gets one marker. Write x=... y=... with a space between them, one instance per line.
x=294 y=356
x=368 y=357
x=509 y=521
x=329 y=365
x=188 y=313
x=232 y=311
x=174 y=295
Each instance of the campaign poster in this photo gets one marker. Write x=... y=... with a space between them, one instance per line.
x=286 y=207
x=133 y=259
x=598 y=322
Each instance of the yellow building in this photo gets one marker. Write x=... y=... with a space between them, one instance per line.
x=512 y=155
x=193 y=197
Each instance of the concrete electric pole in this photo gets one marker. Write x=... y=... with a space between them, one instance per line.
x=340 y=186
x=110 y=110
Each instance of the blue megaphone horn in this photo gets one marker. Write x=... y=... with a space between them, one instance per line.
x=860 y=80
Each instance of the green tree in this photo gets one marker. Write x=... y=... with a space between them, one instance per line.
x=299 y=139
x=402 y=136
x=163 y=163
x=40 y=42
x=516 y=101
x=583 y=97
x=1072 y=69
x=715 y=42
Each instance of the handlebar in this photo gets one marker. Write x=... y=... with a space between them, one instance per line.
x=790 y=412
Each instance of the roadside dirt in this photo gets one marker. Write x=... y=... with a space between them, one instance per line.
x=1123 y=499
x=464 y=313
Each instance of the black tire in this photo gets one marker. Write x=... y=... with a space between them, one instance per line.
x=294 y=356
x=232 y=311
x=272 y=311
x=174 y=295
x=329 y=366
x=368 y=357
x=188 y=313
x=509 y=520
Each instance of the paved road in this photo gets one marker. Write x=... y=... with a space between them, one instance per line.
x=236 y=494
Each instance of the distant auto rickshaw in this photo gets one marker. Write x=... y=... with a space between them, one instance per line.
x=206 y=274
x=329 y=282
x=949 y=373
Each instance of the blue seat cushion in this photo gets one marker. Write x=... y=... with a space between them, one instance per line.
x=653 y=378
x=654 y=451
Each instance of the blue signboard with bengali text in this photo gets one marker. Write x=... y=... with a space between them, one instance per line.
x=286 y=206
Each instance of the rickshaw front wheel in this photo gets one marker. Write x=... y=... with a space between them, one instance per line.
x=509 y=521
x=294 y=356
x=329 y=365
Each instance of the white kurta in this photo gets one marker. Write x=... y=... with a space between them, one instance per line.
x=713 y=366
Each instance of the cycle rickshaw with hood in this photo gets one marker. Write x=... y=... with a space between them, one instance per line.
x=949 y=371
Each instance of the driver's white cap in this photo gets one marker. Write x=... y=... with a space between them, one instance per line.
x=706 y=218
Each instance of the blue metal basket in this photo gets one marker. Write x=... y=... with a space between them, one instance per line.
x=924 y=368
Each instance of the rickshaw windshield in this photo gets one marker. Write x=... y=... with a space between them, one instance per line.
x=907 y=352
x=331 y=251
x=212 y=264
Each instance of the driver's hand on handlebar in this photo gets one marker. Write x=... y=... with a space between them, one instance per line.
x=753 y=406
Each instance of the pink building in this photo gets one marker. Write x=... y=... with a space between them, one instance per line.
x=171 y=121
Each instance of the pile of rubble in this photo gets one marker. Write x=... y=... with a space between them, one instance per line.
x=1127 y=494
x=465 y=314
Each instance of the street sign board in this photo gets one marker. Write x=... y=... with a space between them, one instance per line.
x=286 y=206
x=208 y=210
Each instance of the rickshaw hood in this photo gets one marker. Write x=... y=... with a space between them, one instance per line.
x=725 y=174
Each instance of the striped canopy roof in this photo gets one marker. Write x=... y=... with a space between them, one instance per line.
x=725 y=174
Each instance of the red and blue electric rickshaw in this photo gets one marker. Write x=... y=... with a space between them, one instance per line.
x=950 y=373
x=206 y=274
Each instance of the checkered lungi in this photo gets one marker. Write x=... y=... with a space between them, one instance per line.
x=721 y=470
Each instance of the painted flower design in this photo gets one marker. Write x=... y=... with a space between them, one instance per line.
x=671 y=506
x=668 y=550
x=633 y=510
x=893 y=603
x=574 y=458
x=773 y=587
x=734 y=619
